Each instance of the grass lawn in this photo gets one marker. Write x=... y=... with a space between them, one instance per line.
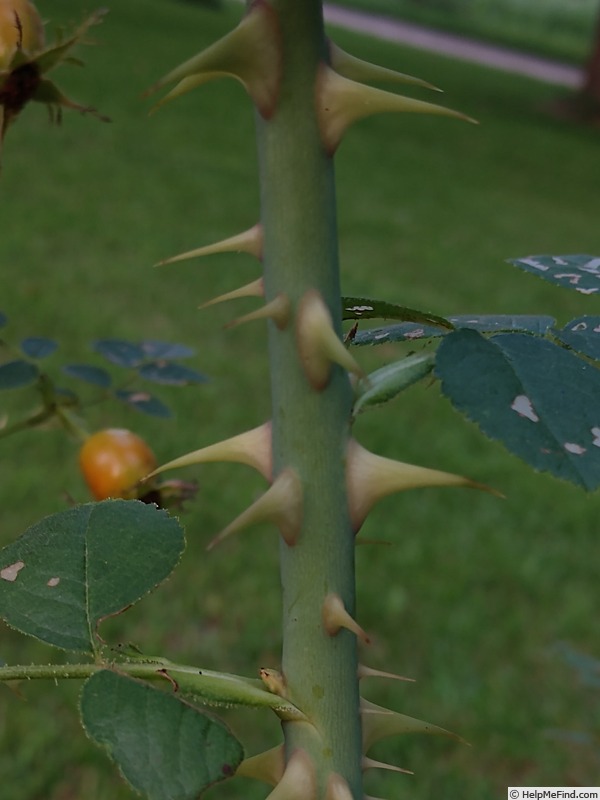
x=552 y=28
x=474 y=593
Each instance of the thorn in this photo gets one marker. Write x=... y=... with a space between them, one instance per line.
x=252 y=448
x=355 y=69
x=368 y=672
x=250 y=241
x=380 y=723
x=369 y=763
x=267 y=767
x=278 y=310
x=251 y=53
x=340 y=102
x=254 y=289
x=280 y=504
x=335 y=617
x=298 y=781
x=337 y=788
x=318 y=344
x=371 y=478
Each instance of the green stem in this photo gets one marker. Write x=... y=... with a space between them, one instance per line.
x=38 y=418
x=206 y=686
x=310 y=428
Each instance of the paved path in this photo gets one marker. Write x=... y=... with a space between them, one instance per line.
x=501 y=58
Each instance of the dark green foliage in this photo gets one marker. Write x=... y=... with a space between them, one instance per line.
x=163 y=746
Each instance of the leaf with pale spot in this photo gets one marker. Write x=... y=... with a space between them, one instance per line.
x=164 y=747
x=72 y=569
x=170 y=373
x=144 y=402
x=582 y=334
x=486 y=323
x=365 y=308
x=579 y=272
x=538 y=399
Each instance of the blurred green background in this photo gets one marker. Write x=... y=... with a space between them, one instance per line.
x=474 y=593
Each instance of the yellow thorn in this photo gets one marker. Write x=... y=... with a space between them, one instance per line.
x=252 y=448
x=251 y=53
x=371 y=478
x=356 y=69
x=280 y=504
x=278 y=310
x=254 y=289
x=340 y=102
x=335 y=617
x=368 y=672
x=318 y=345
x=380 y=723
x=337 y=788
x=250 y=241
x=267 y=767
x=369 y=763
x=298 y=781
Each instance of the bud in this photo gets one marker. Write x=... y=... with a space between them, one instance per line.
x=24 y=61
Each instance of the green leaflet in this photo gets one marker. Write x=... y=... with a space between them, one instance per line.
x=386 y=383
x=164 y=747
